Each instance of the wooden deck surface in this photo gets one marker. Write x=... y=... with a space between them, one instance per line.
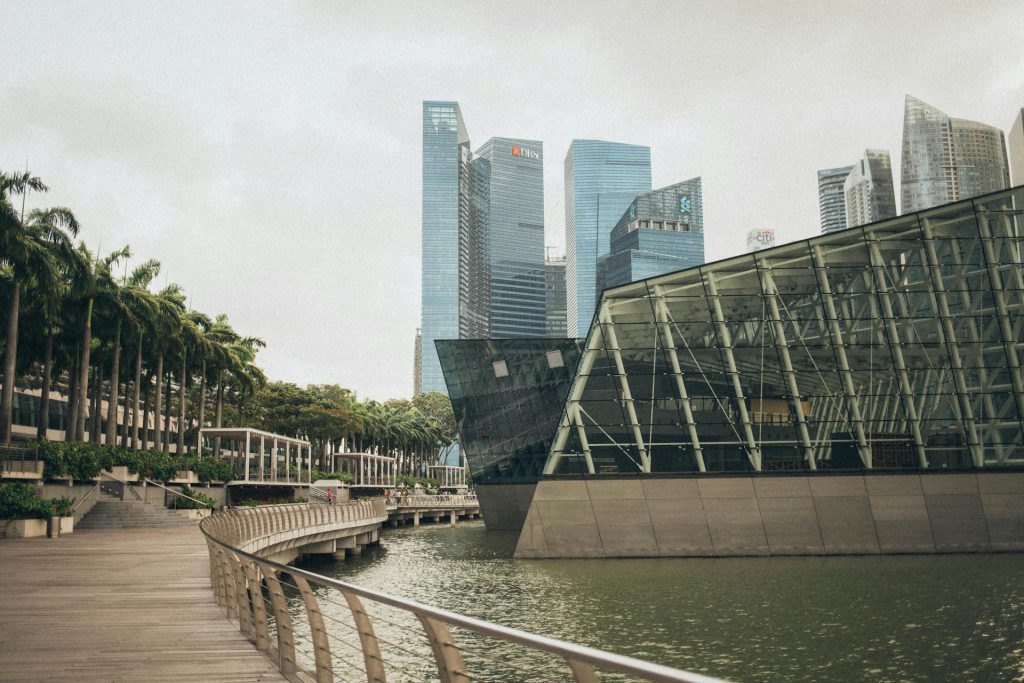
x=121 y=605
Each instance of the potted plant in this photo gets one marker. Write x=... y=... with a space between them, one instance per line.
x=26 y=514
x=64 y=513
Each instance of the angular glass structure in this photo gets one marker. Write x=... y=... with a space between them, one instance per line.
x=601 y=179
x=891 y=345
x=869 y=191
x=661 y=231
x=831 y=199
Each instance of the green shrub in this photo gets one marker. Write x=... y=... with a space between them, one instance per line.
x=211 y=469
x=63 y=506
x=19 y=501
x=346 y=477
x=179 y=503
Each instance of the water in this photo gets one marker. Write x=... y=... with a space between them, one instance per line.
x=896 y=618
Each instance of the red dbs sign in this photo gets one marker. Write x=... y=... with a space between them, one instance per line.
x=516 y=152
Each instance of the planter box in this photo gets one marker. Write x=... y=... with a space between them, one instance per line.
x=26 y=528
x=121 y=472
x=194 y=514
x=185 y=477
x=67 y=525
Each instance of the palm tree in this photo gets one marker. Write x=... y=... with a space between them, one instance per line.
x=172 y=306
x=27 y=253
x=192 y=341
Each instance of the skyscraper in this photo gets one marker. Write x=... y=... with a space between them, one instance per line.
x=601 y=179
x=514 y=227
x=661 y=231
x=946 y=159
x=417 y=364
x=554 y=278
x=1016 y=144
x=868 y=189
x=831 y=201
x=446 y=219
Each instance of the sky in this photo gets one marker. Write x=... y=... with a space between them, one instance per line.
x=268 y=154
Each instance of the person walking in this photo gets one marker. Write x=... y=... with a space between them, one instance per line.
x=330 y=497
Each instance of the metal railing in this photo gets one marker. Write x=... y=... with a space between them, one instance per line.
x=438 y=501
x=297 y=618
x=204 y=504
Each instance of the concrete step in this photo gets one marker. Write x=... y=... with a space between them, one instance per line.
x=123 y=514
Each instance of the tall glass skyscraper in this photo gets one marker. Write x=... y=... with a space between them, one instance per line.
x=831 y=201
x=946 y=159
x=446 y=216
x=515 y=235
x=601 y=179
x=868 y=189
x=1016 y=143
x=554 y=276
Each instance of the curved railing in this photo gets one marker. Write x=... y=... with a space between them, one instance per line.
x=455 y=500
x=308 y=623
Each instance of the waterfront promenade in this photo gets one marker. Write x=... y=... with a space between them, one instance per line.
x=120 y=605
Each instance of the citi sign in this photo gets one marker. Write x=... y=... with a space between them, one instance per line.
x=525 y=153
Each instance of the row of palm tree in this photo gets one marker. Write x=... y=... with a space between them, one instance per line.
x=72 y=320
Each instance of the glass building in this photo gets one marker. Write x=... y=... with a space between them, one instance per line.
x=1015 y=141
x=946 y=159
x=601 y=179
x=869 y=190
x=554 y=278
x=659 y=232
x=514 y=229
x=891 y=345
x=831 y=199
x=445 y=228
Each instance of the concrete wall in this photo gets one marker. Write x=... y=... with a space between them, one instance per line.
x=504 y=506
x=692 y=516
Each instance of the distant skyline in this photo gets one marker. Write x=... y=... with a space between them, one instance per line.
x=269 y=155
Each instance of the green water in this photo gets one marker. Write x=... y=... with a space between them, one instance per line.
x=896 y=618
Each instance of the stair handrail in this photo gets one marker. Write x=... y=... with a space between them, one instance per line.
x=84 y=498
x=123 y=483
x=178 y=493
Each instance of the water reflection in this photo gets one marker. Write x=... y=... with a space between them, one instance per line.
x=896 y=618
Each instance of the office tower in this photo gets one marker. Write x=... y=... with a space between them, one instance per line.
x=417 y=364
x=661 y=231
x=601 y=179
x=831 y=202
x=554 y=279
x=868 y=189
x=514 y=228
x=760 y=239
x=946 y=159
x=446 y=156
x=1015 y=141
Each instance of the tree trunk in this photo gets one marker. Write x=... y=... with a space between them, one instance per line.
x=220 y=410
x=158 y=403
x=165 y=438
x=182 y=396
x=202 y=411
x=44 y=395
x=72 y=417
x=96 y=422
x=83 y=382
x=137 y=394
x=115 y=389
x=10 y=355
x=145 y=414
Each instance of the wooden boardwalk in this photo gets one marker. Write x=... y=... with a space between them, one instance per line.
x=118 y=605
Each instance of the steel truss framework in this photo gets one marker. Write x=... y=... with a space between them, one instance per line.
x=891 y=345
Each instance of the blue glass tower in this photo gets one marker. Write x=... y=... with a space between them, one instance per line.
x=446 y=216
x=601 y=179
x=514 y=231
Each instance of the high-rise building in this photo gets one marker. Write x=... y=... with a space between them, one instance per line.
x=514 y=229
x=831 y=201
x=554 y=279
x=946 y=159
x=1015 y=140
x=868 y=189
x=445 y=223
x=601 y=179
x=661 y=231
x=417 y=364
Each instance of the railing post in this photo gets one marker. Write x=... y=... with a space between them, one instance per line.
x=216 y=575
x=245 y=618
x=317 y=631
x=228 y=577
x=372 y=658
x=259 y=610
x=450 y=667
x=283 y=619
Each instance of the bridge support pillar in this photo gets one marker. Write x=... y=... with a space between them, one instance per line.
x=452 y=517
x=415 y=519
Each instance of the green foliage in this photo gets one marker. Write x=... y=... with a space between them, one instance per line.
x=63 y=506
x=19 y=501
x=212 y=469
x=83 y=461
x=344 y=477
x=425 y=482
x=201 y=502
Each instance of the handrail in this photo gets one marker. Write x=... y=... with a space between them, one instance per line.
x=178 y=493
x=123 y=483
x=84 y=498
x=236 y=581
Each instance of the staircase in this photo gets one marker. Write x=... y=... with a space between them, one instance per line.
x=109 y=512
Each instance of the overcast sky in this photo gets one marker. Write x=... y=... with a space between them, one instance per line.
x=269 y=153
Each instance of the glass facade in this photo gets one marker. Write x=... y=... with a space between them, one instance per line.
x=554 y=278
x=831 y=199
x=1015 y=142
x=660 y=231
x=869 y=191
x=891 y=345
x=507 y=395
x=515 y=236
x=947 y=159
x=445 y=217
x=601 y=179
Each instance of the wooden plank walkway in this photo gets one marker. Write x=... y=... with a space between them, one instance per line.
x=118 y=605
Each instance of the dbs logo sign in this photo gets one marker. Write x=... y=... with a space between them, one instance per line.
x=525 y=153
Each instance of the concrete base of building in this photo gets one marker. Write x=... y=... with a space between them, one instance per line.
x=504 y=506
x=823 y=514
